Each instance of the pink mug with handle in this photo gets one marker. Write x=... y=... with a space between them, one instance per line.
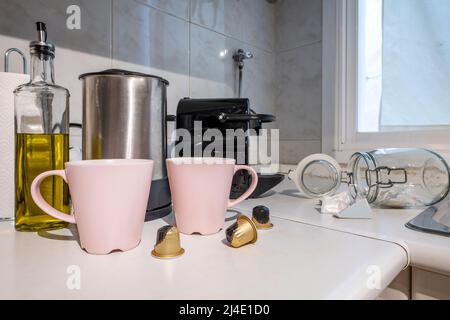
x=200 y=190
x=109 y=199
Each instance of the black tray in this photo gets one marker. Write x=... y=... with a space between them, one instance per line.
x=425 y=222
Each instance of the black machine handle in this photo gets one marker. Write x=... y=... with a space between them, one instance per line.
x=265 y=118
x=171 y=118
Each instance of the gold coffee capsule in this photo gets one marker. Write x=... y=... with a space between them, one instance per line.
x=242 y=232
x=261 y=218
x=167 y=243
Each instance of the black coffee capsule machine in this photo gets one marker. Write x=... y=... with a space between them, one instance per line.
x=223 y=114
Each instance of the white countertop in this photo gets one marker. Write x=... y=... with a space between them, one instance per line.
x=427 y=251
x=291 y=261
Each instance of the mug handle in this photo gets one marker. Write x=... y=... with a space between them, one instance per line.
x=250 y=190
x=40 y=201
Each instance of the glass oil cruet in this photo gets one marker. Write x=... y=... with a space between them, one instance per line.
x=387 y=178
x=42 y=139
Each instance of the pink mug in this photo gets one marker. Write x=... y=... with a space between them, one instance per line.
x=109 y=199
x=200 y=190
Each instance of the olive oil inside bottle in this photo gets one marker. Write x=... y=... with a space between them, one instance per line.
x=35 y=154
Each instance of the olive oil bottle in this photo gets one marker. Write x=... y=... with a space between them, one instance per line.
x=36 y=153
x=42 y=139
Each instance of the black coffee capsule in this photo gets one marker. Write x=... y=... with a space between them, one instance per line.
x=261 y=217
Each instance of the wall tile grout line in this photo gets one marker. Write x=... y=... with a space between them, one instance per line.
x=164 y=11
x=233 y=38
x=306 y=44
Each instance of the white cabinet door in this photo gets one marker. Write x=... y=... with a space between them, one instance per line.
x=428 y=285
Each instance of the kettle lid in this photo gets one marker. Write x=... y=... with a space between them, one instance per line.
x=120 y=72
x=317 y=176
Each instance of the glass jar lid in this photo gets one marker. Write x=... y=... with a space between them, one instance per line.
x=317 y=176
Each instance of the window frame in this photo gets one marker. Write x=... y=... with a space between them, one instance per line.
x=340 y=93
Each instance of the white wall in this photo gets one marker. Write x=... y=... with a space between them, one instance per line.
x=189 y=42
x=299 y=78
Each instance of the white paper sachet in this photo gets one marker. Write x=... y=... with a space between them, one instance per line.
x=358 y=210
x=337 y=203
x=343 y=206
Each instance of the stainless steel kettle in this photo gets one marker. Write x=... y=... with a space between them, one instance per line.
x=124 y=117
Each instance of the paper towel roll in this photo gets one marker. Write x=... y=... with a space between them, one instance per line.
x=8 y=82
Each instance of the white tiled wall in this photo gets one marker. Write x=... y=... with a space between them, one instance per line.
x=191 y=43
x=299 y=78
x=149 y=40
x=212 y=74
x=223 y=16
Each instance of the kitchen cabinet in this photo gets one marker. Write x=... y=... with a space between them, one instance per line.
x=427 y=285
x=418 y=284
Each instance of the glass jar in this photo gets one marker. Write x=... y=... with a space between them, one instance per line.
x=387 y=178
x=42 y=139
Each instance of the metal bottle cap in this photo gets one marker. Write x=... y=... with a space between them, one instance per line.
x=167 y=243
x=242 y=232
x=41 y=46
x=261 y=218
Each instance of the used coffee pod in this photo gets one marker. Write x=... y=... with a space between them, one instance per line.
x=261 y=217
x=167 y=243
x=242 y=232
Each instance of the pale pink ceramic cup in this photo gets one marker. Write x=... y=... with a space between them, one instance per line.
x=109 y=199
x=200 y=190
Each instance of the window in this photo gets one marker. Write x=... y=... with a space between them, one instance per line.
x=370 y=62
x=386 y=75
